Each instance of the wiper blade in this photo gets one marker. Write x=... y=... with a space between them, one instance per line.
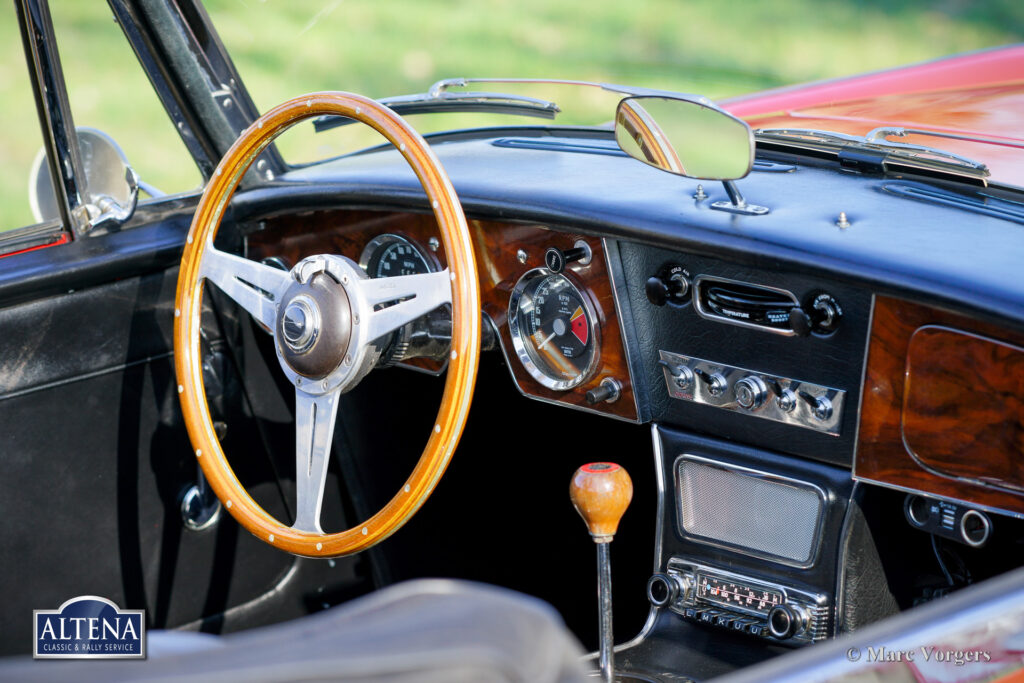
x=438 y=99
x=875 y=152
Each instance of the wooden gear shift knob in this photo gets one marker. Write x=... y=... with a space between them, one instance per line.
x=601 y=492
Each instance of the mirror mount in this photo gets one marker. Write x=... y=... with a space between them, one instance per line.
x=106 y=211
x=736 y=203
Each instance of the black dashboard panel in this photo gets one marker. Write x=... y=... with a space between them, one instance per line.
x=835 y=360
x=677 y=545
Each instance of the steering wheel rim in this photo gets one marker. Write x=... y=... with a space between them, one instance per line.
x=260 y=281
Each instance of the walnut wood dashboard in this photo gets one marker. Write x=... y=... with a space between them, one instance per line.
x=943 y=407
x=497 y=246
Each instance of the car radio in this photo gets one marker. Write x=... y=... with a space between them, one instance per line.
x=724 y=599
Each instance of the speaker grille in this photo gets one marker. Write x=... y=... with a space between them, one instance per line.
x=754 y=512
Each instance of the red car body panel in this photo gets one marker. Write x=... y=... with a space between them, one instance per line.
x=978 y=95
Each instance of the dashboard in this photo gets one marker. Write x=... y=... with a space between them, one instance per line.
x=801 y=407
x=586 y=351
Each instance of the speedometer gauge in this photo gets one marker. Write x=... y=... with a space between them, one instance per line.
x=389 y=255
x=553 y=330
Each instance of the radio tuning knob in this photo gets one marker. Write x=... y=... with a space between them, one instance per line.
x=664 y=589
x=750 y=392
x=785 y=621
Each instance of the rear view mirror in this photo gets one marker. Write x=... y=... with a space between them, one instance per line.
x=684 y=137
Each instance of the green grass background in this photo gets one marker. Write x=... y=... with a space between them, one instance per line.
x=385 y=47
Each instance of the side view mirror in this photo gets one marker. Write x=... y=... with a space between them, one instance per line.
x=113 y=184
x=684 y=137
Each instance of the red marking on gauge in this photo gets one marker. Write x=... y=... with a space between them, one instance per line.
x=578 y=324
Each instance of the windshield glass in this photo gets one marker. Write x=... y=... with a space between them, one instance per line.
x=382 y=49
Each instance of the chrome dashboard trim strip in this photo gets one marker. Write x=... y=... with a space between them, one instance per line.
x=859 y=399
x=626 y=325
x=659 y=473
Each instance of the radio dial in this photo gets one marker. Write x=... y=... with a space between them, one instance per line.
x=750 y=392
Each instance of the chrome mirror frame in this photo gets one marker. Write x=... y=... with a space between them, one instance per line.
x=103 y=165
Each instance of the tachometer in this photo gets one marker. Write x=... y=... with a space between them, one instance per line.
x=553 y=330
x=389 y=255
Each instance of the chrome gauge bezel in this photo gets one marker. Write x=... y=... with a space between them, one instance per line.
x=522 y=352
x=383 y=240
x=400 y=337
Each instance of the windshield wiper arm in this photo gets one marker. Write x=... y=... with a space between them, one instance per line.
x=877 y=153
x=438 y=99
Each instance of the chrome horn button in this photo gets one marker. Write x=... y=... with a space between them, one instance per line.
x=314 y=327
x=301 y=325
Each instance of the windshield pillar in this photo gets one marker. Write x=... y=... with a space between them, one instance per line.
x=59 y=137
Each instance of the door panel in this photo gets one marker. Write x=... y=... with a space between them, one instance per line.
x=95 y=458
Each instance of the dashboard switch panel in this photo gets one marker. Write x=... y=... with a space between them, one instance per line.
x=763 y=395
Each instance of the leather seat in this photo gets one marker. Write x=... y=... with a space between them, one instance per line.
x=429 y=630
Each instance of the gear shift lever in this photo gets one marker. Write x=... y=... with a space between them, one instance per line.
x=601 y=492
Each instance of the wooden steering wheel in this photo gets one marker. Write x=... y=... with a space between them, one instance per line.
x=326 y=315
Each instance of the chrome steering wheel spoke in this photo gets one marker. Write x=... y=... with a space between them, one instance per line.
x=253 y=286
x=314 y=431
x=409 y=297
